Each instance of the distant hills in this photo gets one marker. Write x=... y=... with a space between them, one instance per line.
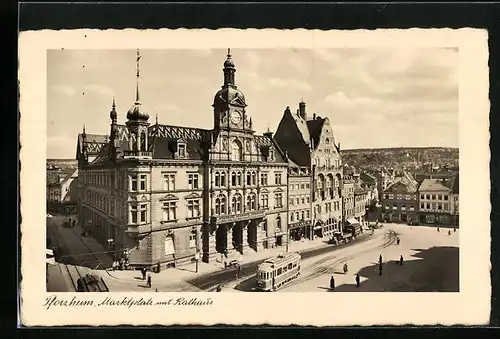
x=409 y=157
x=61 y=163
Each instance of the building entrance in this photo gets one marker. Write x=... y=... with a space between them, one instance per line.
x=221 y=239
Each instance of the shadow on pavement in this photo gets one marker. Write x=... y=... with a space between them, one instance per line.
x=435 y=270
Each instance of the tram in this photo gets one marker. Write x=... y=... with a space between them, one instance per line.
x=278 y=271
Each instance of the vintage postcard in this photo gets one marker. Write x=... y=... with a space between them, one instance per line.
x=249 y=177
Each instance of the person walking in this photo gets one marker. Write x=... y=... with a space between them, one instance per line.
x=398 y=241
x=238 y=268
x=401 y=260
x=380 y=260
x=143 y=271
x=449 y=232
x=454 y=229
x=149 y=280
x=380 y=269
x=357 y=280
x=438 y=229
x=345 y=268
x=219 y=289
x=332 y=283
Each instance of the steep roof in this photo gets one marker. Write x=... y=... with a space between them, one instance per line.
x=315 y=127
x=367 y=178
x=433 y=185
x=358 y=189
x=292 y=135
x=405 y=181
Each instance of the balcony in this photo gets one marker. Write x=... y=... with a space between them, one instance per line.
x=222 y=219
x=137 y=154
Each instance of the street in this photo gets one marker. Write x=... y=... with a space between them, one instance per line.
x=430 y=264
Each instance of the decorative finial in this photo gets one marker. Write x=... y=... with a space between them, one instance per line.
x=137 y=74
x=83 y=128
x=229 y=52
x=114 y=105
x=157 y=118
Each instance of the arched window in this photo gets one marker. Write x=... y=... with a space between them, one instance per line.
x=217 y=179
x=297 y=216
x=220 y=204
x=143 y=141
x=223 y=179
x=236 y=150
x=254 y=178
x=251 y=202
x=236 y=203
x=302 y=216
x=291 y=217
x=239 y=178
x=233 y=179
x=249 y=178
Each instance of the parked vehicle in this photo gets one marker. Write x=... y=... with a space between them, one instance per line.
x=278 y=271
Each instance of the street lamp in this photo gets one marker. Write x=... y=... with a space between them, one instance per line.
x=197 y=258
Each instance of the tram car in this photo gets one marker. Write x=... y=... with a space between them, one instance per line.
x=278 y=271
x=91 y=283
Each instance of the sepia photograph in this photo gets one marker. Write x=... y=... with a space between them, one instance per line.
x=293 y=168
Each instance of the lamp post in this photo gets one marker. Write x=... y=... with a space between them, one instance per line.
x=197 y=259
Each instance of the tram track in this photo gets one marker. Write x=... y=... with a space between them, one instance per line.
x=389 y=239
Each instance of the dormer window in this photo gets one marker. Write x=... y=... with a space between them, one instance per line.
x=271 y=154
x=181 y=151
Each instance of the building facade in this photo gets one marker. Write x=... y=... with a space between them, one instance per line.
x=299 y=204
x=361 y=202
x=61 y=187
x=310 y=142
x=168 y=195
x=399 y=203
x=455 y=202
x=435 y=201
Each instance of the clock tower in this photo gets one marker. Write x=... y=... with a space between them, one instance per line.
x=229 y=103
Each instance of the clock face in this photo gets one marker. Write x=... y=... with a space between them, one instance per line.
x=235 y=117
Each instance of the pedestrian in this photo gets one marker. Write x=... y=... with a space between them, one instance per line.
x=454 y=229
x=401 y=260
x=143 y=271
x=156 y=290
x=380 y=269
x=380 y=259
x=332 y=283
x=449 y=232
x=238 y=271
x=357 y=280
x=438 y=229
x=149 y=280
x=345 y=268
x=158 y=267
x=397 y=241
x=219 y=289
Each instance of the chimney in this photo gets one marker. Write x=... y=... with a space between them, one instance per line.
x=302 y=110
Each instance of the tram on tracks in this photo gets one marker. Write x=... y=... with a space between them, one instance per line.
x=276 y=272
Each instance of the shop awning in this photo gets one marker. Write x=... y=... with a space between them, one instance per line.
x=352 y=221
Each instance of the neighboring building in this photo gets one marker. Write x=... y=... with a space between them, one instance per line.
x=399 y=203
x=310 y=142
x=61 y=196
x=455 y=209
x=165 y=194
x=299 y=201
x=361 y=202
x=348 y=203
x=435 y=201
x=369 y=183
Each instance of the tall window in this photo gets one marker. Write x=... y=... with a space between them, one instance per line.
x=133 y=183
x=249 y=178
x=143 y=209
x=277 y=178
x=193 y=208
x=169 y=211
x=236 y=151
x=254 y=178
x=297 y=215
x=223 y=179
x=278 y=222
x=264 y=201
x=133 y=214
x=193 y=181
x=239 y=178
x=233 y=179
x=302 y=215
x=217 y=179
x=263 y=179
x=236 y=203
x=251 y=203
x=142 y=178
x=278 y=200
x=169 y=182
x=138 y=213
x=220 y=205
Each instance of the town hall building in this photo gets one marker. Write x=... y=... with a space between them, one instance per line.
x=168 y=195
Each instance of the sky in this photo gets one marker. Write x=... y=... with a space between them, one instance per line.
x=374 y=97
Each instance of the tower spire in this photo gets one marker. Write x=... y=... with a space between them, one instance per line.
x=137 y=98
x=113 y=105
x=229 y=52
